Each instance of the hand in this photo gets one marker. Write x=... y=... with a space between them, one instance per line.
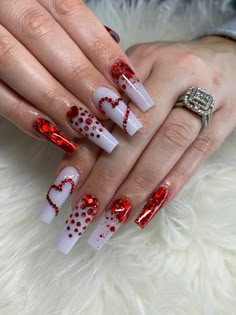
x=57 y=66
x=166 y=152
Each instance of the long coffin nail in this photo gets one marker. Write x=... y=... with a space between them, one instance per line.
x=87 y=124
x=110 y=223
x=154 y=204
x=81 y=216
x=115 y=108
x=113 y=34
x=50 y=132
x=127 y=80
x=58 y=193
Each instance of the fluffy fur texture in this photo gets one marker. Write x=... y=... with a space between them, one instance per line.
x=183 y=263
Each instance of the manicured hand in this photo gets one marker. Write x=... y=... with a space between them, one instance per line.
x=59 y=67
x=154 y=166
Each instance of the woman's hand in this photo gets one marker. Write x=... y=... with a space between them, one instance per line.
x=57 y=66
x=164 y=154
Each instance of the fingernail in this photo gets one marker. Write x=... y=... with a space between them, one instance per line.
x=58 y=193
x=154 y=204
x=87 y=124
x=127 y=80
x=51 y=133
x=110 y=223
x=110 y=104
x=113 y=34
x=81 y=216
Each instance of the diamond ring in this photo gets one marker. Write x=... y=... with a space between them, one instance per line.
x=198 y=101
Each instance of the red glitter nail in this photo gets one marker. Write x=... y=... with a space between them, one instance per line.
x=121 y=208
x=113 y=34
x=52 y=134
x=154 y=204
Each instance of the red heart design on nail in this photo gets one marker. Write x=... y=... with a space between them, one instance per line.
x=59 y=188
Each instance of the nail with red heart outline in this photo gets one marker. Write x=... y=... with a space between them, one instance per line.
x=58 y=193
x=127 y=80
x=114 y=107
x=153 y=205
x=110 y=222
x=82 y=215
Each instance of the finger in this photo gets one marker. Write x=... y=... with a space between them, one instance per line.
x=52 y=46
x=71 y=174
x=23 y=73
x=31 y=120
x=173 y=138
x=89 y=34
x=207 y=142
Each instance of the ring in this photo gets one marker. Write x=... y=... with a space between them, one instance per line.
x=198 y=101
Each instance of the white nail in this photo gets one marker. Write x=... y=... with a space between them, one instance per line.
x=59 y=192
x=87 y=124
x=81 y=216
x=127 y=80
x=107 y=226
x=109 y=103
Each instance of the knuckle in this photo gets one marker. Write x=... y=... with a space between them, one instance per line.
x=65 y=7
x=202 y=144
x=144 y=182
x=6 y=47
x=82 y=69
x=139 y=49
x=177 y=135
x=104 y=176
x=34 y=23
x=50 y=96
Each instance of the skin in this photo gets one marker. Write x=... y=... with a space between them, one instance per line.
x=172 y=145
x=47 y=60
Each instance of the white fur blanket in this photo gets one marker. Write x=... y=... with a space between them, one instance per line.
x=184 y=263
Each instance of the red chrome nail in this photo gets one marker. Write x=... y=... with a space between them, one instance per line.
x=51 y=133
x=113 y=34
x=154 y=204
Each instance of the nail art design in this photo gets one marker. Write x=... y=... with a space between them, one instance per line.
x=110 y=223
x=81 y=216
x=154 y=204
x=115 y=108
x=87 y=124
x=58 y=193
x=51 y=133
x=113 y=34
x=126 y=79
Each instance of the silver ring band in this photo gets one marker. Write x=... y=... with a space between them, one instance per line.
x=198 y=101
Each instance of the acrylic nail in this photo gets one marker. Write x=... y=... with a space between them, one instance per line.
x=87 y=124
x=110 y=222
x=127 y=80
x=58 y=193
x=50 y=132
x=113 y=34
x=153 y=205
x=110 y=104
x=81 y=216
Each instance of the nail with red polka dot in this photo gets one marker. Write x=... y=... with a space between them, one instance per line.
x=87 y=124
x=110 y=223
x=81 y=216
